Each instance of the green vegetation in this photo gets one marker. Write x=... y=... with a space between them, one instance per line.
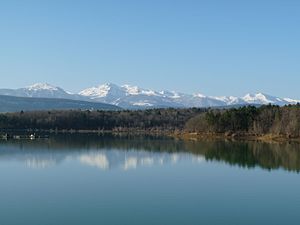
x=244 y=121
x=140 y=120
x=249 y=120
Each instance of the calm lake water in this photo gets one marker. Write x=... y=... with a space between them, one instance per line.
x=143 y=180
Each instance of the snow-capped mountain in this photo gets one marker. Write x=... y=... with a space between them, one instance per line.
x=128 y=96
x=263 y=99
x=41 y=90
x=133 y=97
x=104 y=93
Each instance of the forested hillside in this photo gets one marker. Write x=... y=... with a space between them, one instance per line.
x=249 y=120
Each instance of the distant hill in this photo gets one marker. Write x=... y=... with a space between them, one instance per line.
x=15 y=104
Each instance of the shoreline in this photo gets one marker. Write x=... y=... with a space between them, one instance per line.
x=167 y=133
x=236 y=137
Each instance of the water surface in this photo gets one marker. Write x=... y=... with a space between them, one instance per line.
x=146 y=180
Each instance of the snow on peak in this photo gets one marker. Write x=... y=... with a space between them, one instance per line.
x=131 y=90
x=259 y=98
x=199 y=95
x=99 y=91
x=44 y=90
x=135 y=90
x=176 y=96
x=42 y=86
x=229 y=100
x=291 y=101
x=169 y=94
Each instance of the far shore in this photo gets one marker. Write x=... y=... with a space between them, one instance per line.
x=237 y=137
x=167 y=133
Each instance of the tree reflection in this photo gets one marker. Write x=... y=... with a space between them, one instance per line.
x=131 y=151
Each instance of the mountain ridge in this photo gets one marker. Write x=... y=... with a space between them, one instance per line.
x=133 y=97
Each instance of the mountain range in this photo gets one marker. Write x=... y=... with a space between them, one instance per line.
x=133 y=97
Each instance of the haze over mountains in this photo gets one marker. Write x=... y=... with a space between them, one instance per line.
x=133 y=97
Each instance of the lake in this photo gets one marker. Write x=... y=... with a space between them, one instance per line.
x=90 y=179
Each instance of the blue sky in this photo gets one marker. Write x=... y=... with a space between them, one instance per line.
x=214 y=47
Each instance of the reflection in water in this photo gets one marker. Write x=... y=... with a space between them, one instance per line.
x=131 y=163
x=126 y=160
x=108 y=152
x=36 y=163
x=98 y=160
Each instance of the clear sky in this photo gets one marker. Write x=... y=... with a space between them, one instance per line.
x=216 y=47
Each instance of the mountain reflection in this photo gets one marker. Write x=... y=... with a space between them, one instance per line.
x=132 y=159
x=109 y=152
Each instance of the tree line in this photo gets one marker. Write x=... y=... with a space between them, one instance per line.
x=247 y=120
x=152 y=119
x=264 y=120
